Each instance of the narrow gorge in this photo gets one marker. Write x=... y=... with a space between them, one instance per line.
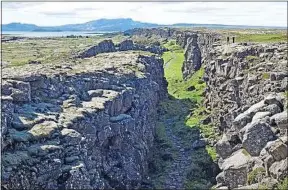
x=161 y=109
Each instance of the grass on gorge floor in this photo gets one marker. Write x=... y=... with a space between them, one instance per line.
x=184 y=95
x=179 y=89
x=160 y=162
x=48 y=50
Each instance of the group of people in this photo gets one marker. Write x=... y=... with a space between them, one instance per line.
x=233 y=39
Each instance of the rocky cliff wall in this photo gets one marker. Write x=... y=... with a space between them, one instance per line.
x=197 y=47
x=108 y=46
x=80 y=126
x=167 y=33
x=245 y=93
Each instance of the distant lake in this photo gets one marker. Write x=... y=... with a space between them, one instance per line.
x=52 y=34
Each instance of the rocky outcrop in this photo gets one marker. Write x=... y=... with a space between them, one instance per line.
x=108 y=46
x=103 y=47
x=197 y=46
x=246 y=96
x=166 y=33
x=238 y=77
x=80 y=126
x=263 y=145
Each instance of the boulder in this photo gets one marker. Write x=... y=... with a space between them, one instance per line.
x=223 y=147
x=242 y=119
x=273 y=109
x=278 y=170
x=280 y=120
x=273 y=99
x=267 y=159
x=277 y=149
x=260 y=115
x=235 y=169
x=256 y=137
x=256 y=107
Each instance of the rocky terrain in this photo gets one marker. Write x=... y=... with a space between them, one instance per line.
x=197 y=47
x=250 y=107
x=80 y=126
x=109 y=46
x=117 y=116
x=167 y=33
x=247 y=96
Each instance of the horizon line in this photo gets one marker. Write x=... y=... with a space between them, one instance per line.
x=145 y=22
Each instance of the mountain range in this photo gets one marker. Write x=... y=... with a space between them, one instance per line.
x=107 y=25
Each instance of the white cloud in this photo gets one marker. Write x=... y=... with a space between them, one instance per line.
x=234 y=13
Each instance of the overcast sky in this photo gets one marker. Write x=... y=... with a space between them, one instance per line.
x=232 y=13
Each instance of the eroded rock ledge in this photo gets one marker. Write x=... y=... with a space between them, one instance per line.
x=80 y=126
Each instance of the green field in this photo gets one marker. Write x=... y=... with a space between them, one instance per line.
x=263 y=38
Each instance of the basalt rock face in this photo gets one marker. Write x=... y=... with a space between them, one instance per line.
x=239 y=76
x=245 y=93
x=80 y=126
x=103 y=47
x=108 y=46
x=197 y=46
x=167 y=33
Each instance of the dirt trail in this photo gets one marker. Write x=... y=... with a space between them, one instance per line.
x=177 y=171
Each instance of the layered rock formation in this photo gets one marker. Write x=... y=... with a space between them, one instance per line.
x=167 y=33
x=246 y=93
x=197 y=46
x=247 y=96
x=108 y=46
x=80 y=126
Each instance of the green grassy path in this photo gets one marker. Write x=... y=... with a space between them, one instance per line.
x=180 y=125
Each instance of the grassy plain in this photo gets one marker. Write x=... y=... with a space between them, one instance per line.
x=48 y=50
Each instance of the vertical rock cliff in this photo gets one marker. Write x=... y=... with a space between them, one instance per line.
x=197 y=47
x=247 y=96
x=80 y=126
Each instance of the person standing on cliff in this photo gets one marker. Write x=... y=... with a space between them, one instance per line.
x=228 y=40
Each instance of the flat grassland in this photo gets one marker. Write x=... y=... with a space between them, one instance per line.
x=48 y=50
